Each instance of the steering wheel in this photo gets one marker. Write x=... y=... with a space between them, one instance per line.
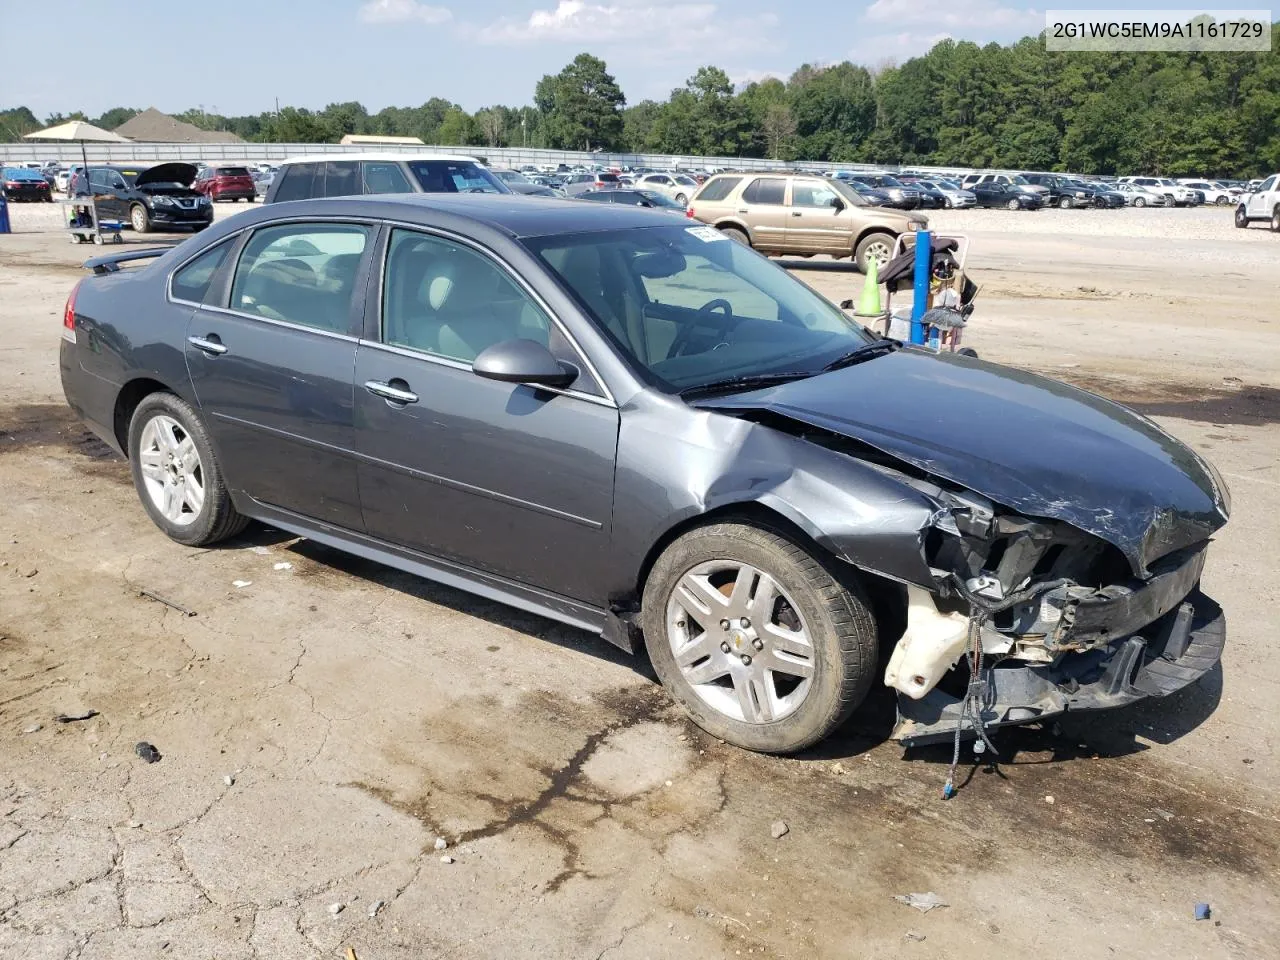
x=703 y=318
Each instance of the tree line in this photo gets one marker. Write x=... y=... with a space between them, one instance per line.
x=1017 y=106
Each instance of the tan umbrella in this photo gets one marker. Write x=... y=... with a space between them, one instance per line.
x=78 y=130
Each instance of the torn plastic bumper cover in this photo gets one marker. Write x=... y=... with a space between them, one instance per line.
x=1165 y=656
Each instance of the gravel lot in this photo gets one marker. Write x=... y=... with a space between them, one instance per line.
x=321 y=726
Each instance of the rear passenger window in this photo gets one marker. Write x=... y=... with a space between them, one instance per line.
x=301 y=273
x=383 y=176
x=445 y=299
x=719 y=188
x=341 y=178
x=192 y=281
x=765 y=190
x=297 y=182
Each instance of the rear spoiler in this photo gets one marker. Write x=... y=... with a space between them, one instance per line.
x=110 y=262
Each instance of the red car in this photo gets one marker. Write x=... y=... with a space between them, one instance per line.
x=225 y=183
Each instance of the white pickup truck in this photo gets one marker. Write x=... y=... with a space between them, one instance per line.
x=1262 y=204
x=1177 y=194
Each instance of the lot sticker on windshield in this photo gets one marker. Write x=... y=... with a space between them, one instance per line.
x=705 y=234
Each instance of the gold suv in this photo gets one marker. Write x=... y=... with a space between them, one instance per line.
x=804 y=214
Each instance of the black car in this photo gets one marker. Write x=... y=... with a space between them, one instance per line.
x=146 y=197
x=1099 y=194
x=639 y=427
x=635 y=198
x=873 y=197
x=346 y=175
x=900 y=194
x=931 y=198
x=989 y=193
x=23 y=183
x=1063 y=191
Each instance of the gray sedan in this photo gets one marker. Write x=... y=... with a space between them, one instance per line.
x=638 y=427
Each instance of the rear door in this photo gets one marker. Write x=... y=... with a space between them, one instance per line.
x=764 y=206
x=815 y=224
x=271 y=361
x=510 y=479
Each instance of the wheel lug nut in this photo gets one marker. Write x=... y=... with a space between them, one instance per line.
x=758 y=643
x=724 y=624
x=680 y=624
x=745 y=623
x=746 y=660
x=725 y=646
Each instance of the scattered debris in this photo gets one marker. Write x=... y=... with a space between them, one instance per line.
x=260 y=551
x=147 y=752
x=838 y=769
x=229 y=780
x=914 y=936
x=1202 y=911
x=1048 y=800
x=779 y=829
x=442 y=843
x=172 y=605
x=336 y=908
x=34 y=728
x=238 y=584
x=375 y=907
x=282 y=565
x=924 y=902
x=351 y=953
x=446 y=859
x=703 y=913
x=76 y=717
x=30 y=573
x=135 y=824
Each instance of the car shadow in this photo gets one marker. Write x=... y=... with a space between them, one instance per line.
x=329 y=561
x=823 y=266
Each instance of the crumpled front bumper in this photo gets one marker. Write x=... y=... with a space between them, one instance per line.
x=1165 y=656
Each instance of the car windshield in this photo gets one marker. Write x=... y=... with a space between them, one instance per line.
x=510 y=176
x=659 y=200
x=687 y=306
x=850 y=190
x=455 y=176
x=1019 y=180
x=888 y=182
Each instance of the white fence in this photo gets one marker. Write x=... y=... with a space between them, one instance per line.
x=495 y=156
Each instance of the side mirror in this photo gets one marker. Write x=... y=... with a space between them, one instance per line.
x=837 y=204
x=523 y=361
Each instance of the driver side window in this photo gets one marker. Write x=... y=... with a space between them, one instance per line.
x=1267 y=185
x=807 y=194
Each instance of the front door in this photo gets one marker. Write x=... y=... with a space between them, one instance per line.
x=507 y=478
x=815 y=224
x=1261 y=202
x=272 y=368
x=764 y=207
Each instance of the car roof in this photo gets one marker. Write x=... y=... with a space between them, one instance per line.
x=377 y=155
x=512 y=214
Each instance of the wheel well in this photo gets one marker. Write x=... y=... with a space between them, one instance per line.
x=888 y=598
x=133 y=393
x=732 y=225
x=887 y=231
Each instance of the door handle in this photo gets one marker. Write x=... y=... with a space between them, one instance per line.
x=388 y=392
x=796 y=213
x=742 y=209
x=211 y=347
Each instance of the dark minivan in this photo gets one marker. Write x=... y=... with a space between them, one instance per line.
x=345 y=175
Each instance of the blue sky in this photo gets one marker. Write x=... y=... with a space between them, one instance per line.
x=236 y=58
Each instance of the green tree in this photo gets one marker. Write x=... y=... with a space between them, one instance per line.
x=458 y=129
x=581 y=106
x=16 y=122
x=115 y=117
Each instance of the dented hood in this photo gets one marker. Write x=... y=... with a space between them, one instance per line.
x=1037 y=446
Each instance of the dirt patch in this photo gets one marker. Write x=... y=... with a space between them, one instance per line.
x=1248 y=405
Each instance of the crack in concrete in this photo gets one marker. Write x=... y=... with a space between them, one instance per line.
x=626 y=932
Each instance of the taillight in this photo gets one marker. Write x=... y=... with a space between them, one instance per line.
x=688 y=212
x=69 y=315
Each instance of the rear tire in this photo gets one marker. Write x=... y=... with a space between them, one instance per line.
x=878 y=245
x=836 y=656
x=682 y=199
x=178 y=478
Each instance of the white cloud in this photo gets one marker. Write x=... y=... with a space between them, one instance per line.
x=984 y=14
x=676 y=26
x=402 y=11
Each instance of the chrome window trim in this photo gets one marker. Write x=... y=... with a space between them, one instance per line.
x=287 y=324
x=410 y=353
x=231 y=238
x=519 y=280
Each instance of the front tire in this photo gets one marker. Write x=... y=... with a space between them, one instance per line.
x=1139 y=201
x=877 y=245
x=1223 y=201
x=1065 y=203
x=740 y=236
x=1242 y=217
x=799 y=653
x=1012 y=205
x=139 y=218
x=1275 y=219
x=177 y=475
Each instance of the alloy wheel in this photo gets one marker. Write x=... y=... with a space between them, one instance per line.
x=171 y=470
x=740 y=642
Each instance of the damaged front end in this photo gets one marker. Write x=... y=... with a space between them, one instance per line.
x=1049 y=617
